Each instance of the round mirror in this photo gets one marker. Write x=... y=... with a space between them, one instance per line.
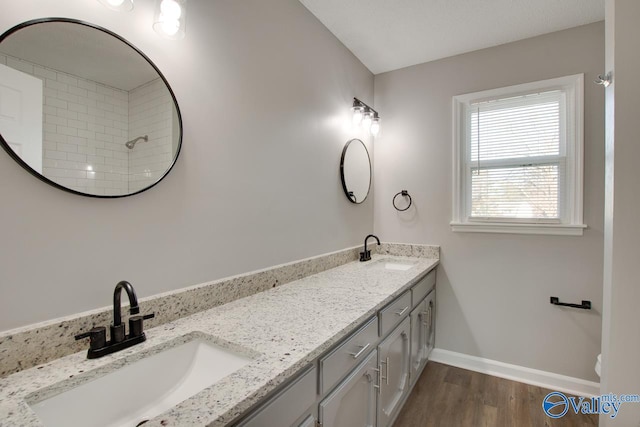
x=84 y=110
x=355 y=171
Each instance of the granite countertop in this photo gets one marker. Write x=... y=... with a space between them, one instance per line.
x=284 y=328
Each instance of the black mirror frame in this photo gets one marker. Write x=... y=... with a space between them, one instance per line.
x=41 y=177
x=349 y=194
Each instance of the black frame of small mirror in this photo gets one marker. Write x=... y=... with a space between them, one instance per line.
x=41 y=177
x=344 y=184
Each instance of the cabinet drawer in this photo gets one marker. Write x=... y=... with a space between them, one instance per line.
x=343 y=358
x=288 y=405
x=394 y=313
x=423 y=287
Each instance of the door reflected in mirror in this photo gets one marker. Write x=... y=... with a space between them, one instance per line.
x=355 y=171
x=84 y=110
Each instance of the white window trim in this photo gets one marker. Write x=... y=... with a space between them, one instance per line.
x=572 y=224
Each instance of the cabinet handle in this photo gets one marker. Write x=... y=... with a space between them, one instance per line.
x=362 y=350
x=426 y=317
x=379 y=371
x=401 y=312
x=386 y=376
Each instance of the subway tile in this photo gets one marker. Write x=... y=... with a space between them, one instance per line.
x=44 y=72
x=105 y=153
x=49 y=145
x=74 y=157
x=95 y=96
x=62 y=112
x=67 y=148
x=103 y=137
x=76 y=124
x=78 y=108
x=67 y=79
x=95 y=160
x=55 y=120
x=87 y=134
x=54 y=84
x=95 y=127
x=55 y=102
x=78 y=91
x=88 y=102
x=64 y=130
x=66 y=96
x=77 y=141
x=89 y=151
x=87 y=84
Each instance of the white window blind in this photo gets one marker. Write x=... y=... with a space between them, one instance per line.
x=516 y=152
x=518 y=158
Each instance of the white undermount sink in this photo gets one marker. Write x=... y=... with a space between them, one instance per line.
x=389 y=264
x=143 y=389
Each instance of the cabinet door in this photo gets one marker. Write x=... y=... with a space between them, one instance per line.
x=393 y=355
x=419 y=337
x=430 y=318
x=353 y=402
x=288 y=405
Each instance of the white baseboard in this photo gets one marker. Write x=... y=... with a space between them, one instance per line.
x=555 y=382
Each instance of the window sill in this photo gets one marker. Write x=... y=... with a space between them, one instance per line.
x=513 y=228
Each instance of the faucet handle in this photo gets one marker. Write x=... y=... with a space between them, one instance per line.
x=97 y=337
x=136 y=327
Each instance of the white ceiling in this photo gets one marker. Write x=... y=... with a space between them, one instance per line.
x=390 y=34
x=81 y=51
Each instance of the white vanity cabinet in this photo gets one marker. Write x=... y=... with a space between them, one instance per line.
x=294 y=406
x=353 y=402
x=393 y=357
x=364 y=380
x=422 y=334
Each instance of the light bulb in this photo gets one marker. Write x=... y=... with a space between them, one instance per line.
x=119 y=5
x=170 y=26
x=170 y=9
x=375 y=126
x=170 y=18
x=366 y=120
x=357 y=115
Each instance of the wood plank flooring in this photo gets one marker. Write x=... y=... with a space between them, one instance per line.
x=446 y=396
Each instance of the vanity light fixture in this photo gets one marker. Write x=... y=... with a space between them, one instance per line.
x=119 y=5
x=365 y=115
x=170 y=18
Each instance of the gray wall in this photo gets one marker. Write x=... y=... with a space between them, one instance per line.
x=621 y=317
x=493 y=290
x=265 y=91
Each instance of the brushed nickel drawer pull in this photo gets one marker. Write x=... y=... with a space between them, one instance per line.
x=362 y=350
x=386 y=377
x=379 y=371
x=401 y=312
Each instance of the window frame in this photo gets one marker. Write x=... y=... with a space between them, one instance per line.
x=571 y=214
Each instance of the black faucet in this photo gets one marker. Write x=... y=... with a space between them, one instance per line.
x=99 y=346
x=366 y=254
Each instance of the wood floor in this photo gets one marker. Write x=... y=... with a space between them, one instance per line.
x=446 y=396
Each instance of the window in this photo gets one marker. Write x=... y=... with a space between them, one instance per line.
x=518 y=159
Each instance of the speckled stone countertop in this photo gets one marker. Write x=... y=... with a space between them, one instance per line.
x=284 y=328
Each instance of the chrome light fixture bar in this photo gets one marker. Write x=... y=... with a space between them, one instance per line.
x=365 y=115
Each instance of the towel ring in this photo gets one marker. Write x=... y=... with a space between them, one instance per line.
x=403 y=193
